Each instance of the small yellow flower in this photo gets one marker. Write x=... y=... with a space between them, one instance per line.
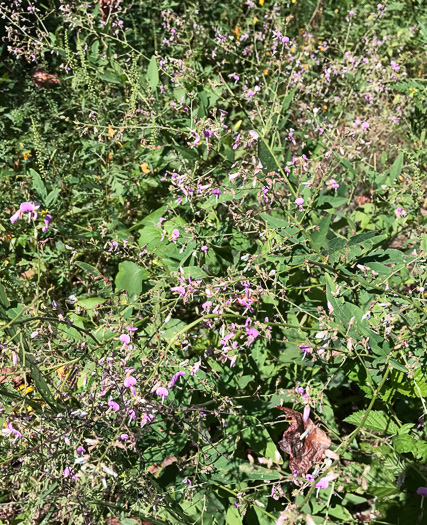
x=255 y=19
x=144 y=168
x=236 y=31
x=336 y=11
x=292 y=50
x=293 y=1
x=261 y=2
x=306 y=66
x=110 y=131
x=265 y=71
x=26 y=155
x=322 y=48
x=325 y=107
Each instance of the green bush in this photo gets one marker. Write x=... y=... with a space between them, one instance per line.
x=209 y=211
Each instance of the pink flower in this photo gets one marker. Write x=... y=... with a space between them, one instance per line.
x=179 y=289
x=131 y=328
x=175 y=378
x=207 y=306
x=332 y=183
x=324 y=482
x=15 y=217
x=112 y=404
x=299 y=202
x=306 y=413
x=422 y=491
x=30 y=208
x=175 y=234
x=26 y=207
x=253 y=334
x=365 y=126
x=67 y=471
x=14 y=431
x=130 y=382
x=204 y=249
x=162 y=392
x=125 y=339
x=196 y=367
x=124 y=437
x=47 y=220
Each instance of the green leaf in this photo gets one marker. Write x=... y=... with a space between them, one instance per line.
x=38 y=184
x=258 y=438
x=233 y=516
x=90 y=303
x=266 y=158
x=376 y=421
x=153 y=73
x=287 y=100
x=404 y=443
x=396 y=168
x=171 y=328
x=194 y=272
x=130 y=277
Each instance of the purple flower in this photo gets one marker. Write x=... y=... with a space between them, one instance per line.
x=204 y=249
x=124 y=437
x=207 y=306
x=30 y=208
x=305 y=349
x=196 y=367
x=131 y=328
x=252 y=332
x=130 y=382
x=175 y=378
x=9 y=427
x=47 y=220
x=179 y=289
x=299 y=202
x=15 y=217
x=67 y=471
x=80 y=449
x=26 y=207
x=324 y=482
x=125 y=339
x=175 y=234
x=422 y=491
x=332 y=183
x=162 y=392
x=207 y=133
x=113 y=404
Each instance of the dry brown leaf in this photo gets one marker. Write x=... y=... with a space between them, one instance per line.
x=7 y=374
x=42 y=79
x=303 y=441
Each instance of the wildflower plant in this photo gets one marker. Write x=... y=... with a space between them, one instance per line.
x=213 y=210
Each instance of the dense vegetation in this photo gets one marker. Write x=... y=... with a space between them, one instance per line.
x=210 y=210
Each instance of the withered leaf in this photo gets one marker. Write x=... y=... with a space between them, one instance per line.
x=42 y=79
x=303 y=441
x=8 y=373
